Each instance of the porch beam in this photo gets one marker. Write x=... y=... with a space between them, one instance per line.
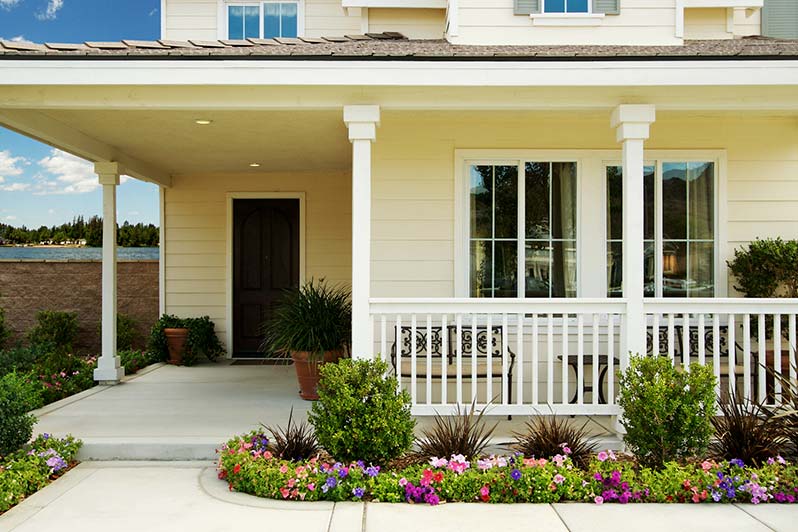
x=632 y=125
x=362 y=122
x=109 y=369
x=57 y=134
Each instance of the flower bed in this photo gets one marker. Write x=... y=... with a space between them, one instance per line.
x=29 y=469
x=248 y=465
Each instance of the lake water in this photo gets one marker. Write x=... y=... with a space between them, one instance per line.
x=17 y=253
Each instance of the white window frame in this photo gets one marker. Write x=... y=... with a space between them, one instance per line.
x=223 y=19
x=591 y=181
x=718 y=159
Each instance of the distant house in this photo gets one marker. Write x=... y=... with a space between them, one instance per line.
x=520 y=193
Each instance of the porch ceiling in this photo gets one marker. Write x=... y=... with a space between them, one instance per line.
x=174 y=142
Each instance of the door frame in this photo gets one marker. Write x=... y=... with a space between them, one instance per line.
x=231 y=196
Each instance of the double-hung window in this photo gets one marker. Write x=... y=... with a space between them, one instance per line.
x=263 y=19
x=679 y=229
x=522 y=228
x=566 y=6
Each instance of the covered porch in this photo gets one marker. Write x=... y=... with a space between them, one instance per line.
x=382 y=178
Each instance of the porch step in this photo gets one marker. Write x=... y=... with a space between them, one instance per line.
x=166 y=449
x=204 y=448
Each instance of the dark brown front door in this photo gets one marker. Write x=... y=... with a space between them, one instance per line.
x=265 y=262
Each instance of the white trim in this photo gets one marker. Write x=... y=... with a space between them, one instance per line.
x=223 y=29
x=230 y=196
x=586 y=160
x=681 y=5
x=163 y=19
x=162 y=251
x=395 y=4
x=366 y=73
x=567 y=19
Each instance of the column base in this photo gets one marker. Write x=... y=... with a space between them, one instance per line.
x=107 y=374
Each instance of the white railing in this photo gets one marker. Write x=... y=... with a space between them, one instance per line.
x=561 y=356
x=746 y=341
x=555 y=356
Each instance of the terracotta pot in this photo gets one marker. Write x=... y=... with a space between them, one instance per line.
x=176 y=341
x=307 y=371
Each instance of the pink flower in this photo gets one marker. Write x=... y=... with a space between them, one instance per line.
x=438 y=462
x=599 y=499
x=267 y=455
x=283 y=469
x=311 y=487
x=484 y=493
x=559 y=479
x=602 y=457
x=612 y=455
x=284 y=492
x=291 y=482
x=706 y=465
x=403 y=482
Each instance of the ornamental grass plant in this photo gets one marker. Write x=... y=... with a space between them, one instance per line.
x=464 y=433
x=295 y=441
x=548 y=435
x=747 y=431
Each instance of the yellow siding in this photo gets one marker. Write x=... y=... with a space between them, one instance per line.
x=639 y=22
x=196 y=234
x=705 y=24
x=413 y=23
x=190 y=19
x=413 y=249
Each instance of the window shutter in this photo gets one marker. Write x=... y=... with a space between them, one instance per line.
x=608 y=7
x=527 y=7
x=780 y=19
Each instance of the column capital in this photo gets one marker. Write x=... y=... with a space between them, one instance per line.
x=632 y=121
x=108 y=172
x=362 y=121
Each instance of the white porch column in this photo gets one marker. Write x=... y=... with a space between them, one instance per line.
x=108 y=369
x=631 y=123
x=362 y=121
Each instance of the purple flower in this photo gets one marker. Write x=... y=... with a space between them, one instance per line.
x=331 y=482
x=515 y=474
x=343 y=472
x=358 y=492
x=433 y=499
x=56 y=463
x=736 y=462
x=373 y=471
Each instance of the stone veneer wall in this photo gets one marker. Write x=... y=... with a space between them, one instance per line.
x=27 y=286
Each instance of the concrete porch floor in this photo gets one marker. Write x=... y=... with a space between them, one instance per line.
x=180 y=413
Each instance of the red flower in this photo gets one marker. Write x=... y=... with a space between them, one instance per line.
x=237 y=469
x=438 y=477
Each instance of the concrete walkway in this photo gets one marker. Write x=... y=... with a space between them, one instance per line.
x=179 y=413
x=177 y=496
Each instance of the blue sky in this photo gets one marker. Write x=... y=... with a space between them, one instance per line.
x=43 y=186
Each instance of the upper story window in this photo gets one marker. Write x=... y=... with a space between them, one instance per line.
x=566 y=6
x=264 y=19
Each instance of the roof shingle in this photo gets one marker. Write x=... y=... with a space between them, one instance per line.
x=395 y=46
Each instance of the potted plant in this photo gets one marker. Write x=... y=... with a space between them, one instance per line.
x=313 y=325
x=180 y=340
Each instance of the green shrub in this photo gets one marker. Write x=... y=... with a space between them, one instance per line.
x=202 y=339
x=127 y=333
x=768 y=268
x=20 y=359
x=19 y=394
x=62 y=375
x=360 y=414
x=55 y=330
x=133 y=360
x=5 y=333
x=667 y=411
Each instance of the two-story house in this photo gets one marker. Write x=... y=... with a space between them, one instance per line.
x=520 y=193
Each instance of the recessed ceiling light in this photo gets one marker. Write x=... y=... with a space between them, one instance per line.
x=203 y=121
x=254 y=165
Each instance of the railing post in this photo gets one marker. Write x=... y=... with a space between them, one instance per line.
x=362 y=122
x=632 y=124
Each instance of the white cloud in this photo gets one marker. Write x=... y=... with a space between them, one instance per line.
x=153 y=11
x=68 y=175
x=10 y=218
x=50 y=211
x=50 y=12
x=8 y=4
x=10 y=165
x=15 y=187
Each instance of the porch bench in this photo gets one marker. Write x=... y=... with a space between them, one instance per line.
x=466 y=348
x=587 y=362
